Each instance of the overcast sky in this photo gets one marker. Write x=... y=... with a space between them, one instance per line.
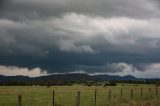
x=118 y=37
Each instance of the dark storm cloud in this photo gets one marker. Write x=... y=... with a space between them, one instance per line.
x=107 y=8
x=68 y=35
x=2 y=3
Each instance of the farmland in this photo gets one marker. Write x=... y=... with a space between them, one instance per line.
x=121 y=95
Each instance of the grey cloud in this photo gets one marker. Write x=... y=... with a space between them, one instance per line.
x=113 y=68
x=109 y=8
x=3 y=3
x=68 y=35
x=68 y=46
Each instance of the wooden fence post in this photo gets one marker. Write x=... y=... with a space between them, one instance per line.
x=122 y=94
x=53 y=98
x=78 y=98
x=156 y=91
x=19 y=100
x=131 y=93
x=95 y=97
x=109 y=95
x=141 y=92
x=150 y=92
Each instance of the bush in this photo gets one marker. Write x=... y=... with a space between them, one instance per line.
x=113 y=83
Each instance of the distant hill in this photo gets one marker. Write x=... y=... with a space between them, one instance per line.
x=114 y=77
x=71 y=77
x=66 y=77
x=15 y=78
x=56 y=77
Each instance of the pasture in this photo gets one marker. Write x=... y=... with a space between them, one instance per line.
x=126 y=95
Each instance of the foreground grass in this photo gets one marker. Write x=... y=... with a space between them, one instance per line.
x=66 y=95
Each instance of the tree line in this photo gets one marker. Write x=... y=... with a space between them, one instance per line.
x=70 y=83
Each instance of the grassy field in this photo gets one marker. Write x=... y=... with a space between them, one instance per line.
x=66 y=95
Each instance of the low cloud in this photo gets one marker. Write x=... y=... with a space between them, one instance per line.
x=122 y=69
x=149 y=70
x=79 y=72
x=108 y=68
x=13 y=71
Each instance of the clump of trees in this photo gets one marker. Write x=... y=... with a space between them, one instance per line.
x=110 y=83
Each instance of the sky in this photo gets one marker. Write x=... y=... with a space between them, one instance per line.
x=116 y=37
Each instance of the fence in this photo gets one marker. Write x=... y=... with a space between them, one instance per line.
x=94 y=101
x=94 y=97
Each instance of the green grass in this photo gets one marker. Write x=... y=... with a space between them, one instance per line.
x=66 y=95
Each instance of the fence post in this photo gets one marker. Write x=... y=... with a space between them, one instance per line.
x=95 y=97
x=19 y=100
x=131 y=93
x=78 y=98
x=109 y=95
x=150 y=92
x=53 y=98
x=141 y=92
x=157 y=92
x=122 y=94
